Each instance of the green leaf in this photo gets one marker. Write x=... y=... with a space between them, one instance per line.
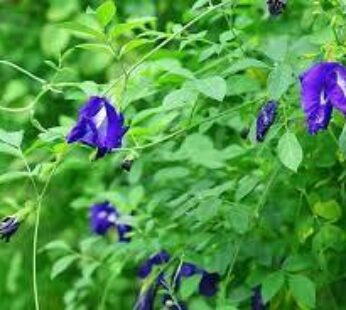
x=279 y=81
x=329 y=210
x=214 y=87
x=246 y=63
x=10 y=150
x=12 y=138
x=13 y=176
x=189 y=286
x=239 y=219
x=60 y=42
x=83 y=29
x=245 y=186
x=130 y=25
x=276 y=48
x=99 y=47
x=290 y=152
x=56 y=245
x=180 y=98
x=208 y=209
x=62 y=264
x=132 y=45
x=296 y=263
x=272 y=284
x=303 y=290
x=105 y=12
x=199 y=3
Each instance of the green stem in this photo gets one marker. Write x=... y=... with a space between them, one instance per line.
x=36 y=230
x=26 y=108
x=22 y=70
x=167 y=41
x=189 y=127
x=34 y=256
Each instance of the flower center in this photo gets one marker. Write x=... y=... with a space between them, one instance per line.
x=341 y=83
x=100 y=117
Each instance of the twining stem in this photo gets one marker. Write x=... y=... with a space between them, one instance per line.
x=26 y=72
x=36 y=230
x=191 y=126
x=39 y=198
x=26 y=108
x=34 y=256
x=167 y=41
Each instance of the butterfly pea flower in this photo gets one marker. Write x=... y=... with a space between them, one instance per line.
x=265 y=119
x=156 y=260
x=103 y=217
x=99 y=125
x=8 y=227
x=146 y=299
x=208 y=284
x=276 y=7
x=323 y=87
x=256 y=299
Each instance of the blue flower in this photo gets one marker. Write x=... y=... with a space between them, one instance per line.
x=99 y=125
x=8 y=227
x=103 y=217
x=208 y=285
x=276 y=7
x=256 y=299
x=158 y=259
x=146 y=299
x=265 y=119
x=323 y=87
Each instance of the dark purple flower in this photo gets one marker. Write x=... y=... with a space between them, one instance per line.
x=316 y=86
x=146 y=299
x=8 y=226
x=209 y=284
x=188 y=270
x=158 y=259
x=256 y=299
x=103 y=216
x=99 y=125
x=276 y=7
x=265 y=119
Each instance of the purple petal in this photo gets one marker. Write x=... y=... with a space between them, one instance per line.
x=102 y=218
x=145 y=269
x=256 y=299
x=315 y=88
x=188 y=270
x=8 y=227
x=160 y=258
x=209 y=284
x=146 y=300
x=337 y=91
